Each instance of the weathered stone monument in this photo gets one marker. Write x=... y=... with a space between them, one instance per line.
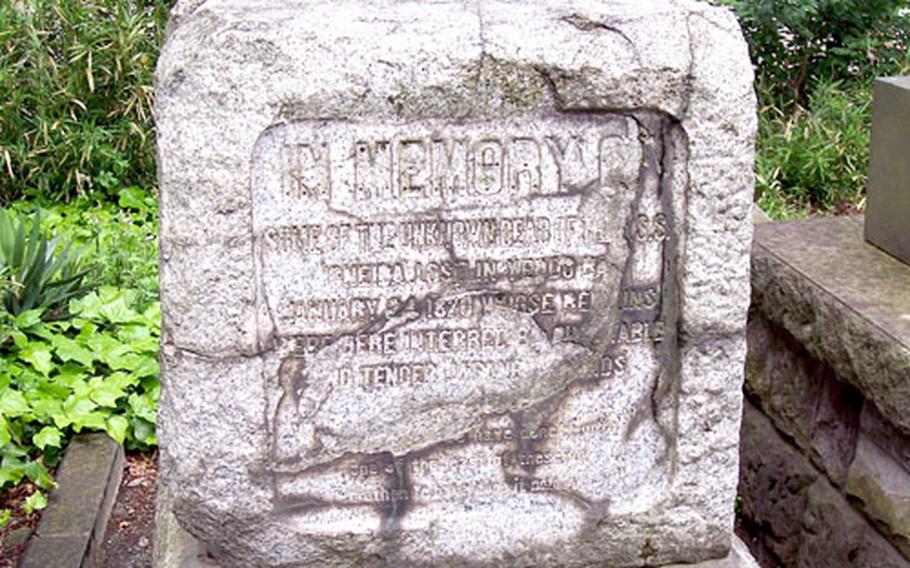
x=888 y=201
x=454 y=283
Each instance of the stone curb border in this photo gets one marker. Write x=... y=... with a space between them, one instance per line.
x=72 y=527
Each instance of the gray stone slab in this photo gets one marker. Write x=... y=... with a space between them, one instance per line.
x=888 y=194
x=844 y=299
x=739 y=557
x=173 y=546
x=74 y=522
x=57 y=551
x=454 y=283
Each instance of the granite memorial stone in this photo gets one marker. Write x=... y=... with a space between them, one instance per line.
x=454 y=283
x=888 y=200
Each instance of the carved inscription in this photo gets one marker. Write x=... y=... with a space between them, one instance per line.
x=467 y=309
x=449 y=167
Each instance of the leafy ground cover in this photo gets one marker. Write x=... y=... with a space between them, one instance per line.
x=79 y=318
x=91 y=364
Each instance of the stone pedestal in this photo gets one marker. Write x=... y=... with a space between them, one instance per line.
x=176 y=548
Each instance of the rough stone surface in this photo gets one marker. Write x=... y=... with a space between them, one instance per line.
x=802 y=519
x=785 y=380
x=173 y=546
x=827 y=366
x=885 y=435
x=176 y=548
x=883 y=487
x=454 y=283
x=802 y=396
x=813 y=278
x=739 y=557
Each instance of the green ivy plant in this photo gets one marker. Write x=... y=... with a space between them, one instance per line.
x=94 y=369
x=97 y=370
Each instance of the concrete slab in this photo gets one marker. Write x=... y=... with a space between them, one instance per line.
x=844 y=299
x=73 y=525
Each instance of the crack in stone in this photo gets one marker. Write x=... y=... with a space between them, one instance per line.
x=547 y=75
x=585 y=24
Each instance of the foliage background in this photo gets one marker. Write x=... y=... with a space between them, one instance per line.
x=815 y=63
x=77 y=148
x=77 y=84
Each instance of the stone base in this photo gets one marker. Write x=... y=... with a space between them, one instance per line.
x=739 y=557
x=825 y=445
x=176 y=548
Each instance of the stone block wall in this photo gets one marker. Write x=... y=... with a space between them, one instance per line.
x=825 y=455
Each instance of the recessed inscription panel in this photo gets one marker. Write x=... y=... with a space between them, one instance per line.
x=469 y=312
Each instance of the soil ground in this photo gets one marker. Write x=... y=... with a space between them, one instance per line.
x=128 y=539
x=14 y=536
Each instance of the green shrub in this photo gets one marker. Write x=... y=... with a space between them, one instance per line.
x=77 y=84
x=814 y=158
x=39 y=273
x=120 y=242
x=795 y=44
x=815 y=61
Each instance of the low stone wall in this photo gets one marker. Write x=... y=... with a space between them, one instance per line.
x=825 y=458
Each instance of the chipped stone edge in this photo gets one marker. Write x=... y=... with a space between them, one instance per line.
x=39 y=549
x=778 y=286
